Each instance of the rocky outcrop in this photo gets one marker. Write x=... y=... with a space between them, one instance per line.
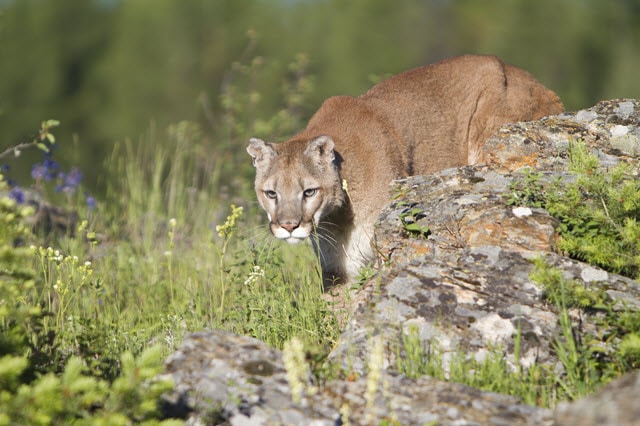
x=223 y=377
x=614 y=404
x=463 y=286
x=235 y=380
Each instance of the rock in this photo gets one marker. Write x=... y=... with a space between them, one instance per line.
x=462 y=285
x=611 y=129
x=615 y=404
x=426 y=400
x=221 y=378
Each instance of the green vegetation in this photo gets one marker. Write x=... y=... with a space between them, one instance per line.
x=599 y=215
x=598 y=210
x=129 y=277
x=615 y=349
x=87 y=317
x=409 y=218
x=34 y=387
x=536 y=385
x=599 y=222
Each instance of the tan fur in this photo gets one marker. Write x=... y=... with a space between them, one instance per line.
x=417 y=122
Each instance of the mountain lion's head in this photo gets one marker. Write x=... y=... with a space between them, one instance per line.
x=297 y=183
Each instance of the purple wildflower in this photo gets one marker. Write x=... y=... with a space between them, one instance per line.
x=73 y=178
x=91 y=202
x=46 y=170
x=17 y=194
x=52 y=167
x=38 y=171
x=70 y=181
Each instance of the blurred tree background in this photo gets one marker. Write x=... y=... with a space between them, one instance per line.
x=110 y=69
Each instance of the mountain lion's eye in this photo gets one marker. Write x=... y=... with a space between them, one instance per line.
x=271 y=194
x=310 y=192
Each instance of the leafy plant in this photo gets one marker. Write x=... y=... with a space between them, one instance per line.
x=608 y=354
x=19 y=316
x=78 y=312
x=598 y=210
x=74 y=397
x=410 y=217
x=560 y=291
x=43 y=141
x=529 y=191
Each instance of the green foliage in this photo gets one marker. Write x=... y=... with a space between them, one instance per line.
x=529 y=191
x=206 y=266
x=43 y=141
x=160 y=257
x=29 y=341
x=583 y=371
x=18 y=314
x=365 y=273
x=599 y=211
x=560 y=291
x=414 y=360
x=600 y=215
x=74 y=397
x=630 y=348
x=536 y=384
x=589 y=360
x=409 y=218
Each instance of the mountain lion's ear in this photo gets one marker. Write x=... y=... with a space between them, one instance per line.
x=260 y=151
x=320 y=149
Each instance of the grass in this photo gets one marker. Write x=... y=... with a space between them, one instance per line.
x=144 y=274
x=535 y=385
x=173 y=247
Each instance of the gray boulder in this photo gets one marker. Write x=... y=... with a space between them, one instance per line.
x=615 y=404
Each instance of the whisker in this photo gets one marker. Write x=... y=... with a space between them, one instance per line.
x=264 y=238
x=258 y=234
x=327 y=225
x=329 y=239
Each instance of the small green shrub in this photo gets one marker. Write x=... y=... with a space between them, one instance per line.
x=42 y=381
x=599 y=223
x=409 y=218
x=598 y=210
x=74 y=397
x=21 y=318
x=613 y=351
x=560 y=291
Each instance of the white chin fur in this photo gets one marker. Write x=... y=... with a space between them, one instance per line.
x=293 y=240
x=294 y=237
x=300 y=233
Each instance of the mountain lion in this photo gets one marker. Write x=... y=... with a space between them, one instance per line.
x=331 y=180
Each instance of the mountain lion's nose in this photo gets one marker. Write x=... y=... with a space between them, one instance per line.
x=289 y=225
